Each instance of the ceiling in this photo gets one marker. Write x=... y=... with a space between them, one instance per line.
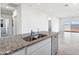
x=57 y=9
x=52 y=9
x=9 y=6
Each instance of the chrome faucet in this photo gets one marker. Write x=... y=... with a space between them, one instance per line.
x=32 y=33
x=38 y=31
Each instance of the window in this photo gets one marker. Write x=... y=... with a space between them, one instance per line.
x=71 y=25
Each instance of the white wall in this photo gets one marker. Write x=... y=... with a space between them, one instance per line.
x=55 y=24
x=18 y=21
x=33 y=19
x=61 y=27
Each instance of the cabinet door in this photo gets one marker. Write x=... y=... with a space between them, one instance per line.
x=44 y=50
x=54 y=44
x=40 y=48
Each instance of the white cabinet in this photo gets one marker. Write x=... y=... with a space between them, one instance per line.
x=54 y=44
x=41 y=48
x=19 y=52
x=45 y=50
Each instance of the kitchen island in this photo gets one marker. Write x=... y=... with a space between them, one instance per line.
x=15 y=45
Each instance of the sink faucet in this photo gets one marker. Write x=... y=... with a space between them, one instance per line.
x=32 y=32
x=38 y=31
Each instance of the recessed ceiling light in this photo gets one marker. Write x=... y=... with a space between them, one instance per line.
x=66 y=5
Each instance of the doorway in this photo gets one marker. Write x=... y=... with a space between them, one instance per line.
x=69 y=45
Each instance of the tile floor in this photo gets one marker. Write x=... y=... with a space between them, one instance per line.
x=69 y=45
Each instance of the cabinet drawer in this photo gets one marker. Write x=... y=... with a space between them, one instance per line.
x=36 y=46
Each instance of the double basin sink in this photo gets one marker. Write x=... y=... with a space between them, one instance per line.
x=34 y=37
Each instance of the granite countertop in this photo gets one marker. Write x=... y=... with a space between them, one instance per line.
x=13 y=43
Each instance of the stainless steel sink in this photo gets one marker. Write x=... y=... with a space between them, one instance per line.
x=34 y=37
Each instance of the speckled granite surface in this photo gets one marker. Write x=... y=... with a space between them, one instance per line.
x=13 y=43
